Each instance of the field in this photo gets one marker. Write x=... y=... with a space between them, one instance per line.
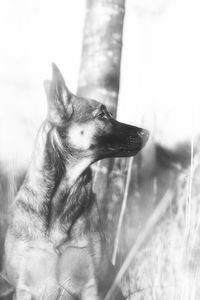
x=164 y=259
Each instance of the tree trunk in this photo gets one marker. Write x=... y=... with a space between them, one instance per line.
x=99 y=79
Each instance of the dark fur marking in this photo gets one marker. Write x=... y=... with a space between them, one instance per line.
x=78 y=201
x=42 y=212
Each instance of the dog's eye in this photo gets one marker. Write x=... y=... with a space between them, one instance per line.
x=102 y=115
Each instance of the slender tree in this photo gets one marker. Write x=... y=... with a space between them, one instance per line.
x=99 y=79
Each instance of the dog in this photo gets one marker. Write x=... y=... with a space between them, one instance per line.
x=55 y=248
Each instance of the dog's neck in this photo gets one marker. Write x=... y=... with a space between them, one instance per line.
x=50 y=178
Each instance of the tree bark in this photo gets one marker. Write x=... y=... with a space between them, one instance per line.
x=99 y=79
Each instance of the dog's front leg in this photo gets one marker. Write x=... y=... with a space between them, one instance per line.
x=22 y=293
x=90 y=291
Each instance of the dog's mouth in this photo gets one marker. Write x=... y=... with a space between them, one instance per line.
x=125 y=151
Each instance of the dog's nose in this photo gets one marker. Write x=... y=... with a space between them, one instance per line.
x=143 y=134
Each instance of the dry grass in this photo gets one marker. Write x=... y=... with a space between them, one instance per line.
x=167 y=265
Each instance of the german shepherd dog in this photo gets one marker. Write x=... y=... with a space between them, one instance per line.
x=55 y=248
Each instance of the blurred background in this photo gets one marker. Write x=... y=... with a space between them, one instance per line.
x=159 y=90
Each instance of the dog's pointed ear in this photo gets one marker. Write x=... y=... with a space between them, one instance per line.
x=58 y=96
x=47 y=85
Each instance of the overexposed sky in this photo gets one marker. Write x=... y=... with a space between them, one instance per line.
x=33 y=34
x=160 y=66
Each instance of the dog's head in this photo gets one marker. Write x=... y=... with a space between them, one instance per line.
x=85 y=128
